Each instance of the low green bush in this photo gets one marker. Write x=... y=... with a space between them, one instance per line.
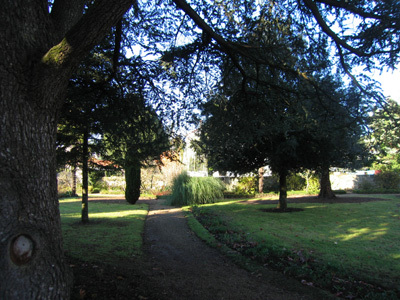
x=188 y=190
x=295 y=182
x=95 y=190
x=339 y=192
x=377 y=191
x=388 y=180
x=246 y=186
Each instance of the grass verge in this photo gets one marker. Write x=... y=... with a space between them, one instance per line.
x=351 y=249
x=114 y=232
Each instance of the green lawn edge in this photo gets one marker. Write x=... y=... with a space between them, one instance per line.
x=240 y=260
x=114 y=233
x=250 y=265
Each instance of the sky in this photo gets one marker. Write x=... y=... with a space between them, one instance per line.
x=390 y=84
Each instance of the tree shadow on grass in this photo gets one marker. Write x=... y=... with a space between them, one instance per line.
x=280 y=210
x=100 y=221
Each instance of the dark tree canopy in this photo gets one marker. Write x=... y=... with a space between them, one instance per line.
x=252 y=128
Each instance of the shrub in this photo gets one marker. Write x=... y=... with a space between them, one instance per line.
x=340 y=192
x=313 y=185
x=271 y=183
x=95 y=190
x=188 y=190
x=246 y=186
x=387 y=180
x=366 y=185
x=295 y=182
x=377 y=191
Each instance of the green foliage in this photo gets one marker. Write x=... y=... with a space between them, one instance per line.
x=385 y=124
x=95 y=190
x=95 y=177
x=373 y=190
x=313 y=185
x=247 y=185
x=295 y=182
x=388 y=180
x=188 y=190
x=366 y=185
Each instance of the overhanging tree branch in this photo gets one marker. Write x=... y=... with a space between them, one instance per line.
x=320 y=20
x=227 y=47
x=86 y=33
x=351 y=8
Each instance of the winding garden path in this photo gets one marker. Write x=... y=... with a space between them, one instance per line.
x=184 y=267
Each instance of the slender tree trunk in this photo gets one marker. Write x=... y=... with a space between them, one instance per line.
x=85 y=178
x=325 y=185
x=74 y=194
x=260 y=180
x=307 y=176
x=282 y=204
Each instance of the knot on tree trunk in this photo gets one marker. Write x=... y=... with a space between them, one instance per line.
x=21 y=249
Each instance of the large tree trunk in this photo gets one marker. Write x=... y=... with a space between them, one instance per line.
x=31 y=256
x=325 y=185
x=38 y=52
x=282 y=203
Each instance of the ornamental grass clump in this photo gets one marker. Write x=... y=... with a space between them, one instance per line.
x=188 y=190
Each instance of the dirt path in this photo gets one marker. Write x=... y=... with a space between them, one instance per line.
x=184 y=267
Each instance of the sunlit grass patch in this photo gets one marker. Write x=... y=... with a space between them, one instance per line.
x=353 y=240
x=114 y=232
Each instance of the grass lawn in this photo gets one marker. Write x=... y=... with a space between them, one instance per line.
x=330 y=245
x=114 y=232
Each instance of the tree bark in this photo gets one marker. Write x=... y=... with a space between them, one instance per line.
x=325 y=185
x=282 y=203
x=31 y=255
x=74 y=194
x=85 y=178
x=36 y=63
x=260 y=180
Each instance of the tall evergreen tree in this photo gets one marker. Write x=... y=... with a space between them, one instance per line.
x=133 y=134
x=83 y=111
